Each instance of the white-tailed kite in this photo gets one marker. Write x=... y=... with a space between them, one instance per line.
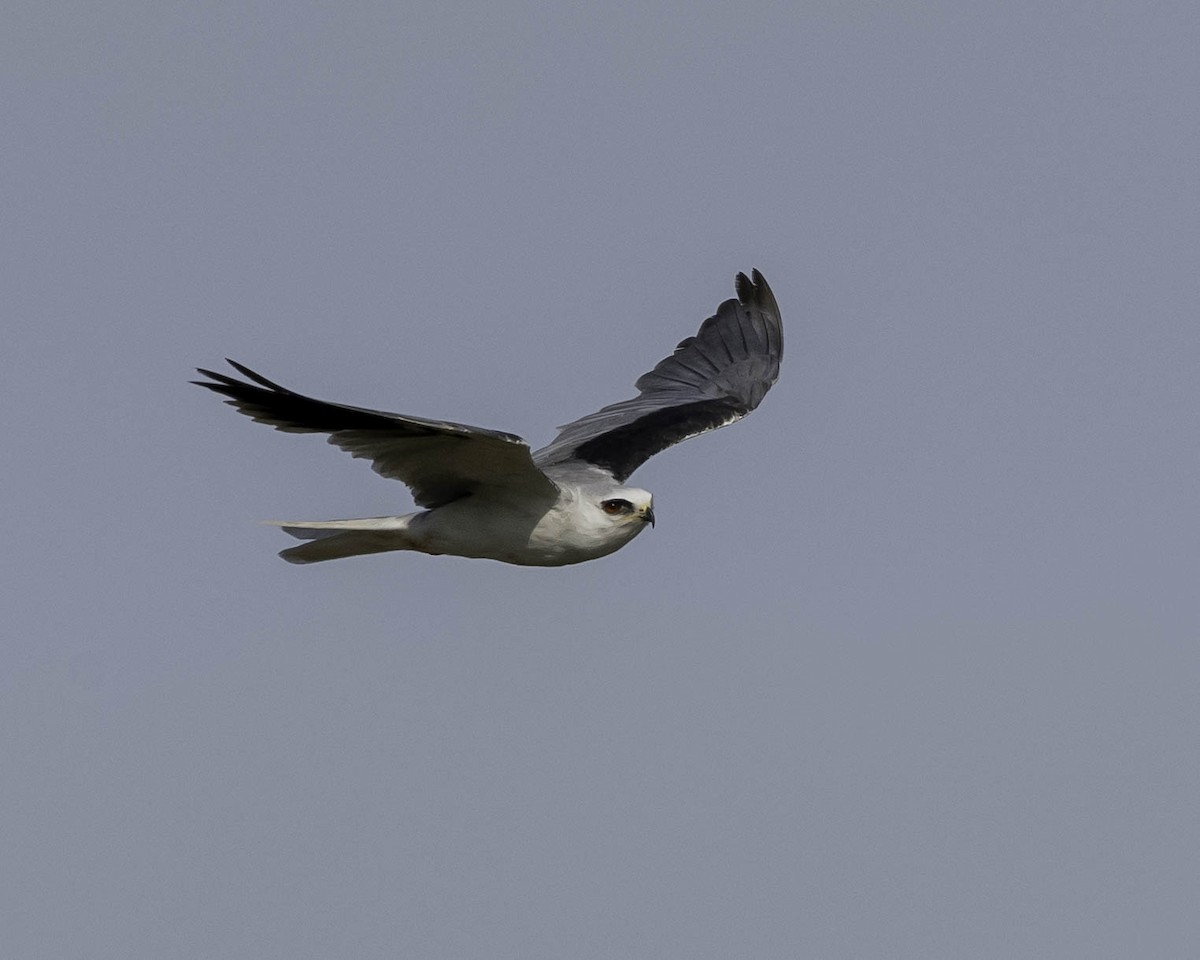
x=484 y=493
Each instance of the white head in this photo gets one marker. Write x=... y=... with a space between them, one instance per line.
x=627 y=507
x=592 y=520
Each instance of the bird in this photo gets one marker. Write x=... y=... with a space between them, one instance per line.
x=483 y=494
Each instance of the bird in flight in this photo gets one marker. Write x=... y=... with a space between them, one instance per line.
x=486 y=495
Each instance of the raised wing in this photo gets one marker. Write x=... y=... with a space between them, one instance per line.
x=439 y=461
x=712 y=379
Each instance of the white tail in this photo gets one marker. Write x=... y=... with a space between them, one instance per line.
x=333 y=539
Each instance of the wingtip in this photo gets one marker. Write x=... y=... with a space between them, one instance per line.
x=249 y=374
x=743 y=287
x=212 y=382
x=753 y=288
x=241 y=368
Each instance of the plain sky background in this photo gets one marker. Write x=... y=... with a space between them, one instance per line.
x=909 y=667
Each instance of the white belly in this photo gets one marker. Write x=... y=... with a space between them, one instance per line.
x=485 y=529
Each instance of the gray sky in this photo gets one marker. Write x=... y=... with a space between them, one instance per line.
x=909 y=666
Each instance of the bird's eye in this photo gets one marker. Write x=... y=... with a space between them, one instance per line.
x=614 y=507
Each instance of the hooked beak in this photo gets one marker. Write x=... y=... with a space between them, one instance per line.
x=648 y=515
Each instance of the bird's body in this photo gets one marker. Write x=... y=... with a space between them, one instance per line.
x=487 y=496
x=568 y=530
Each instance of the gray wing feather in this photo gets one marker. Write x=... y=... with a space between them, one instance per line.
x=712 y=379
x=438 y=460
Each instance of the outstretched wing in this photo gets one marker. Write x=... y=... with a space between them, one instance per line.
x=712 y=379
x=439 y=461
